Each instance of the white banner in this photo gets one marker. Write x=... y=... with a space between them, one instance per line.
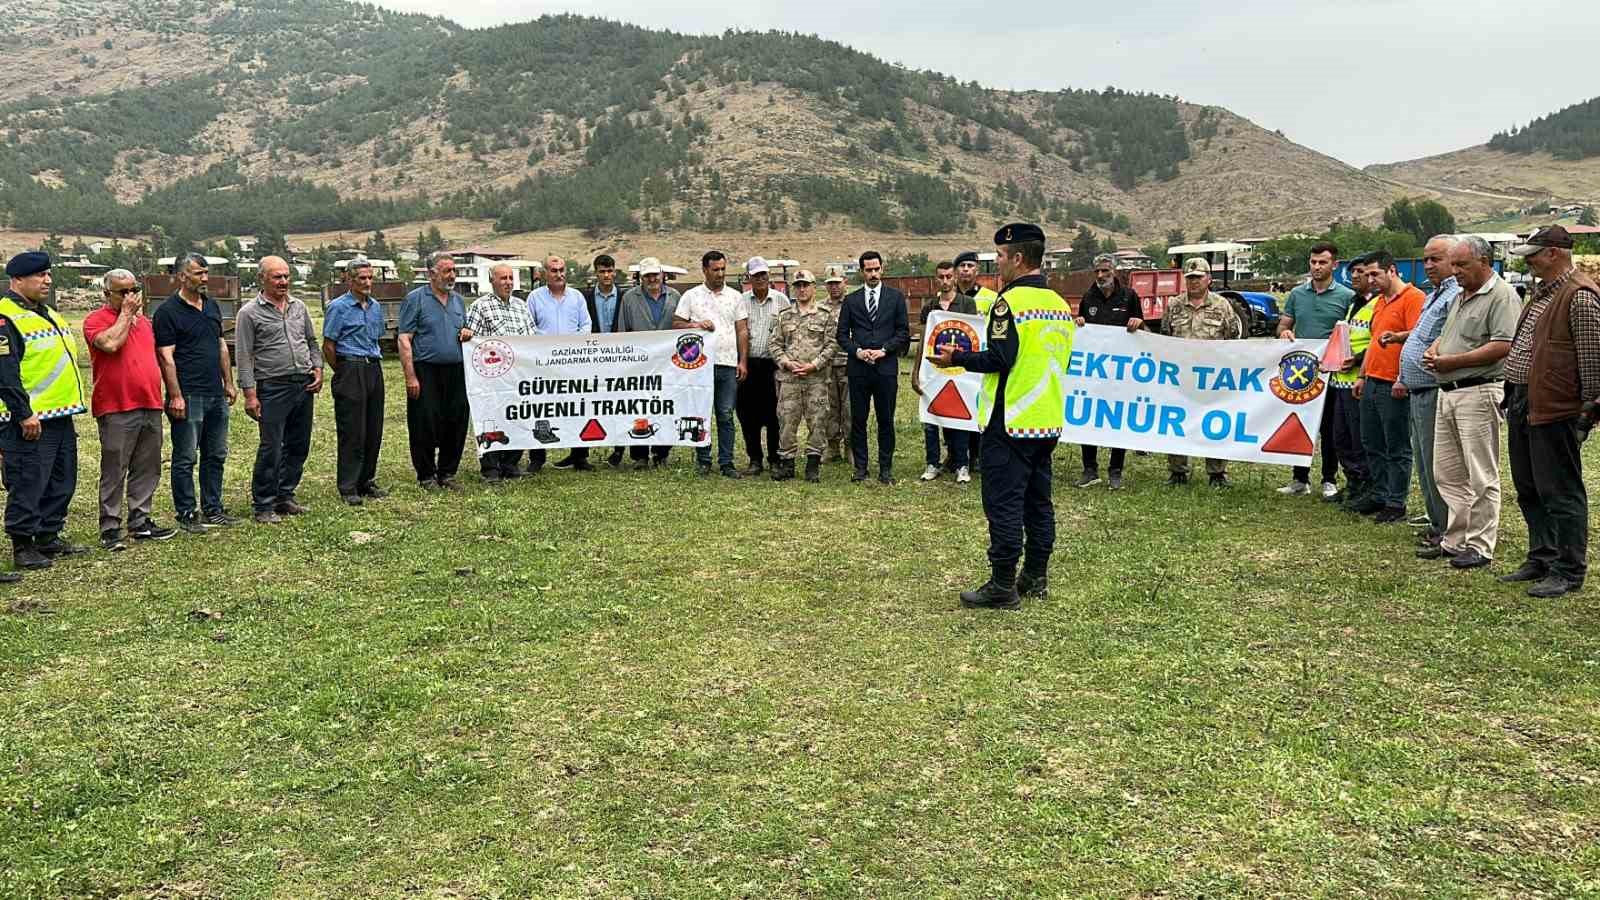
x=950 y=396
x=589 y=390
x=1255 y=401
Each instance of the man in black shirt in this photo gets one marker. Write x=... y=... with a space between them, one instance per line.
x=1107 y=302
x=199 y=377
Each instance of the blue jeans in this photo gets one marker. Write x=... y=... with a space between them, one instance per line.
x=1386 y=435
x=957 y=441
x=726 y=387
x=206 y=427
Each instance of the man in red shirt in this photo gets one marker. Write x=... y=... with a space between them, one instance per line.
x=127 y=408
x=1385 y=406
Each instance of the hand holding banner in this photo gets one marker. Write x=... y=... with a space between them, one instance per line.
x=950 y=396
x=644 y=387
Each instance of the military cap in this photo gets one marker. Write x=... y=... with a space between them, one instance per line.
x=31 y=262
x=970 y=256
x=1196 y=266
x=833 y=273
x=803 y=276
x=1018 y=233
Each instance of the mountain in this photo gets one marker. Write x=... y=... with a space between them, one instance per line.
x=204 y=119
x=1554 y=159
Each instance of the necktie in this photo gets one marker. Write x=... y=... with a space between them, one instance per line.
x=872 y=304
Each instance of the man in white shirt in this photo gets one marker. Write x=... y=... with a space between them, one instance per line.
x=720 y=310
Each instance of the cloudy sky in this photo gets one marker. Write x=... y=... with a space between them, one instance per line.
x=1440 y=75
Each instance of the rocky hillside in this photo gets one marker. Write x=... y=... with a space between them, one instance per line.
x=317 y=115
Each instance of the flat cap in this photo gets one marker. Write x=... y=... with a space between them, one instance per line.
x=30 y=262
x=970 y=256
x=1018 y=233
x=1548 y=236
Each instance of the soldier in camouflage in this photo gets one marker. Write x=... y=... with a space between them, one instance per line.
x=803 y=343
x=1202 y=316
x=838 y=385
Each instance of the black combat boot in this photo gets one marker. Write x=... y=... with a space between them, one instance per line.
x=24 y=556
x=999 y=592
x=1033 y=584
x=783 y=470
x=813 y=469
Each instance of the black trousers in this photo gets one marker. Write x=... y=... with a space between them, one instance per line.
x=1330 y=447
x=1346 y=434
x=1547 y=471
x=285 y=425
x=358 y=420
x=41 y=477
x=757 y=408
x=1016 y=499
x=641 y=452
x=1091 y=458
x=876 y=390
x=436 y=421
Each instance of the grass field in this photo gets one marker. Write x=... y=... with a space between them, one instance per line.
x=656 y=685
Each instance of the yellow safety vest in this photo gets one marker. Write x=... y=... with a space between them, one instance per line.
x=49 y=369
x=1360 y=339
x=1035 y=395
x=984 y=300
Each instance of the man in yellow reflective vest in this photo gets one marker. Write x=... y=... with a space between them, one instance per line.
x=41 y=390
x=1023 y=409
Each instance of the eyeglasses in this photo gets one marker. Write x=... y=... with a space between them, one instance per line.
x=123 y=292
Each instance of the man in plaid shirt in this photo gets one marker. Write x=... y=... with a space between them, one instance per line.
x=498 y=314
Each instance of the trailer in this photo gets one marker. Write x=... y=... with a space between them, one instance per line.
x=391 y=295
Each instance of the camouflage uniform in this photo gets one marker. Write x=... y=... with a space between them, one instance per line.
x=804 y=336
x=1213 y=320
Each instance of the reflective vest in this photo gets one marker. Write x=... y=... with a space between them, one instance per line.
x=49 y=369
x=984 y=300
x=1360 y=339
x=1035 y=394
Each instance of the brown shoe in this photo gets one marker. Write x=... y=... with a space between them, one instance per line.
x=290 y=508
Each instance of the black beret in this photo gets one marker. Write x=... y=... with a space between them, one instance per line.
x=31 y=262
x=1018 y=233
x=970 y=256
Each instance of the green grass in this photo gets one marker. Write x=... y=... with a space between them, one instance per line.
x=658 y=685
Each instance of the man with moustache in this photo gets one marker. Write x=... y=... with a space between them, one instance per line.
x=198 y=372
x=1553 y=386
x=1422 y=386
x=1107 y=302
x=126 y=402
x=720 y=310
x=649 y=306
x=1385 y=416
x=41 y=390
x=351 y=329
x=433 y=325
x=280 y=373
x=498 y=314
x=757 y=405
x=557 y=309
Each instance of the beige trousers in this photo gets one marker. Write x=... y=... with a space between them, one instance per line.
x=1466 y=465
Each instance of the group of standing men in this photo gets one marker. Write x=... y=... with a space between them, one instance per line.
x=1431 y=379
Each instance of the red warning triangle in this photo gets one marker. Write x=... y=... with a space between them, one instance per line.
x=948 y=403
x=1290 y=438
x=592 y=431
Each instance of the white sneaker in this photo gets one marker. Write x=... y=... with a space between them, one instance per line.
x=963 y=475
x=1329 y=490
x=1295 y=489
x=930 y=473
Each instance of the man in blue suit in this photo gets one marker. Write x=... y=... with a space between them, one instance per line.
x=873 y=332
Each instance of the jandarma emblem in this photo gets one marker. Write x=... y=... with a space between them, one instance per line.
x=691 y=352
x=1297 y=380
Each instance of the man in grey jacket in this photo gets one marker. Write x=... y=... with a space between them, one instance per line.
x=648 y=307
